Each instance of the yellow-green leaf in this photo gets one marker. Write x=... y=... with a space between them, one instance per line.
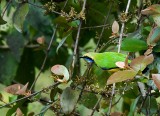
x=121 y=76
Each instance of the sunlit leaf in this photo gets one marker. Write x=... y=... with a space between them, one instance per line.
x=68 y=100
x=140 y=63
x=156 y=79
x=133 y=45
x=115 y=27
x=20 y=15
x=84 y=111
x=121 y=76
x=61 y=71
x=62 y=42
x=63 y=86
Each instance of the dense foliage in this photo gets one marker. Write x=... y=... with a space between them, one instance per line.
x=43 y=46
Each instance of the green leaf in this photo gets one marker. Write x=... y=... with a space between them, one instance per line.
x=133 y=106
x=53 y=93
x=133 y=45
x=20 y=15
x=89 y=100
x=121 y=76
x=68 y=100
x=150 y=105
x=63 y=86
x=62 y=41
x=8 y=67
x=15 y=42
x=27 y=75
x=2 y=21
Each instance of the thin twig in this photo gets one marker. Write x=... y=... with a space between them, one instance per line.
x=98 y=26
x=139 y=14
x=6 y=8
x=77 y=40
x=119 y=48
x=83 y=86
x=46 y=56
x=75 y=48
x=45 y=59
x=105 y=21
x=122 y=28
x=96 y=105
x=120 y=96
x=33 y=94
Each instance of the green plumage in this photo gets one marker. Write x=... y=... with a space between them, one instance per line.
x=105 y=60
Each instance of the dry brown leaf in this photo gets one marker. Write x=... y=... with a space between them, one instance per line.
x=116 y=114
x=156 y=79
x=19 y=112
x=41 y=40
x=16 y=89
x=115 y=27
x=121 y=76
x=140 y=63
x=23 y=90
x=12 y=89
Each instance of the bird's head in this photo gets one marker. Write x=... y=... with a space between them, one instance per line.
x=88 y=57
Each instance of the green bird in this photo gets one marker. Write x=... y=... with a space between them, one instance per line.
x=105 y=60
x=154 y=12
